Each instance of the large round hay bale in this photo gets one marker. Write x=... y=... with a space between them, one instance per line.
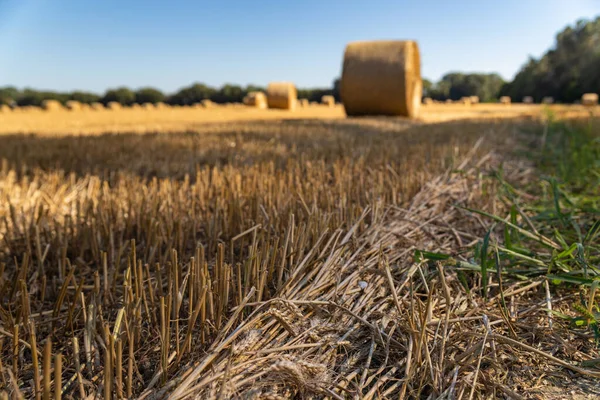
x=466 y=100
x=328 y=100
x=448 y=101
x=528 y=100
x=52 y=105
x=4 y=108
x=97 y=106
x=548 y=100
x=427 y=100
x=474 y=99
x=256 y=99
x=282 y=95
x=113 y=105
x=73 y=105
x=589 y=99
x=206 y=103
x=505 y=100
x=382 y=78
x=135 y=106
x=148 y=106
x=302 y=103
x=85 y=107
x=161 y=106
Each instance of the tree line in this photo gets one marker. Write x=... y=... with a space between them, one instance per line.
x=189 y=95
x=567 y=71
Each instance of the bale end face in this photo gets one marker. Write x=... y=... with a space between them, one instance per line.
x=589 y=99
x=505 y=100
x=382 y=78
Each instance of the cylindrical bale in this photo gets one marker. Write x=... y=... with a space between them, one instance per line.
x=505 y=100
x=97 y=106
x=113 y=105
x=465 y=100
x=528 y=100
x=448 y=101
x=548 y=100
x=161 y=106
x=52 y=105
x=136 y=106
x=427 y=100
x=328 y=100
x=73 y=105
x=148 y=106
x=282 y=95
x=382 y=78
x=5 y=108
x=302 y=103
x=589 y=99
x=474 y=99
x=206 y=103
x=256 y=99
x=85 y=107
x=313 y=103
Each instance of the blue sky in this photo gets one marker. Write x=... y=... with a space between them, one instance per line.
x=94 y=45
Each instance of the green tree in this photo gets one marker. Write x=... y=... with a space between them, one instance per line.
x=149 y=95
x=121 y=95
x=191 y=94
x=84 y=97
x=9 y=95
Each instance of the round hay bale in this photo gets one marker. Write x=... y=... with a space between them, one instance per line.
x=505 y=100
x=528 y=100
x=382 y=78
x=465 y=100
x=313 y=103
x=448 y=101
x=161 y=106
x=474 y=99
x=427 y=100
x=85 y=107
x=148 y=106
x=4 y=108
x=136 y=106
x=548 y=100
x=97 y=106
x=113 y=105
x=302 y=103
x=282 y=95
x=73 y=105
x=256 y=99
x=328 y=100
x=589 y=99
x=206 y=103
x=52 y=105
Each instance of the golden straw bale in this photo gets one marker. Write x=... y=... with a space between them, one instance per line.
x=113 y=105
x=589 y=99
x=85 y=107
x=206 y=103
x=448 y=101
x=427 y=100
x=148 y=106
x=97 y=106
x=136 y=106
x=52 y=105
x=382 y=78
x=302 y=103
x=328 y=100
x=5 y=108
x=256 y=99
x=465 y=100
x=505 y=100
x=282 y=95
x=474 y=99
x=73 y=105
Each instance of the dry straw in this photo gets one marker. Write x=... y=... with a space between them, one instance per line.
x=97 y=106
x=528 y=100
x=589 y=99
x=505 y=100
x=148 y=106
x=328 y=100
x=113 y=105
x=256 y=99
x=474 y=99
x=303 y=103
x=382 y=78
x=4 y=108
x=282 y=95
x=465 y=100
x=206 y=103
x=427 y=100
x=52 y=105
x=73 y=105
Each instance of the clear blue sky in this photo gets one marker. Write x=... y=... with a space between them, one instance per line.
x=97 y=44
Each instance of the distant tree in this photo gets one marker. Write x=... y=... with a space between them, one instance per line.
x=30 y=97
x=84 y=97
x=427 y=86
x=9 y=95
x=191 y=94
x=149 y=95
x=228 y=93
x=336 y=90
x=121 y=95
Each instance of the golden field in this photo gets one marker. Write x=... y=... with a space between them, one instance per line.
x=244 y=253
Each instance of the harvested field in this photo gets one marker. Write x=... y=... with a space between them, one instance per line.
x=246 y=253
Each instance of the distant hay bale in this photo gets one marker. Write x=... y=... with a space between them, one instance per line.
x=97 y=106
x=474 y=99
x=465 y=100
x=52 y=105
x=85 y=107
x=73 y=105
x=256 y=99
x=313 y=103
x=548 y=100
x=427 y=100
x=113 y=105
x=5 y=108
x=448 y=101
x=328 y=100
x=382 y=78
x=161 y=106
x=505 y=100
x=528 y=100
x=282 y=95
x=206 y=103
x=148 y=106
x=136 y=106
x=29 y=109
x=302 y=103
x=589 y=99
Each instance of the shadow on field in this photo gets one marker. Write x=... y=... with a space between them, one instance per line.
x=242 y=144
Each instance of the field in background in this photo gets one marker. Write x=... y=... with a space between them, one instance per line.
x=177 y=119
x=266 y=254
